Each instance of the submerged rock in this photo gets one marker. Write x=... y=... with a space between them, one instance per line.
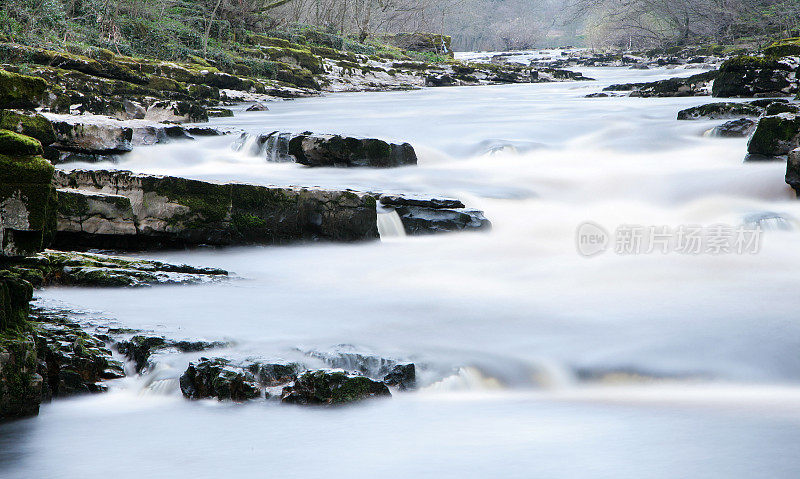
x=139 y=348
x=740 y=128
x=335 y=150
x=256 y=107
x=332 y=388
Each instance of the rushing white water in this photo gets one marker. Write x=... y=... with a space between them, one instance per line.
x=534 y=360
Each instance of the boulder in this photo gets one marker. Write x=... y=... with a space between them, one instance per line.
x=219 y=112
x=20 y=91
x=172 y=211
x=775 y=136
x=751 y=76
x=324 y=387
x=403 y=376
x=740 y=128
x=335 y=150
x=218 y=378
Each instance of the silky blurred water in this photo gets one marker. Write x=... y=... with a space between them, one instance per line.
x=505 y=326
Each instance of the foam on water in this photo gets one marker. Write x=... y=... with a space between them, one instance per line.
x=533 y=360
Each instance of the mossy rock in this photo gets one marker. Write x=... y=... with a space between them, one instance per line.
x=20 y=91
x=775 y=135
x=29 y=124
x=15 y=296
x=15 y=144
x=784 y=48
x=332 y=388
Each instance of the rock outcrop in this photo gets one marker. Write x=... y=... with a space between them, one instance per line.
x=217 y=378
x=793 y=170
x=27 y=197
x=170 y=211
x=751 y=76
x=695 y=85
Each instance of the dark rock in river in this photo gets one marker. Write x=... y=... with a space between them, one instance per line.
x=172 y=211
x=775 y=136
x=695 y=85
x=139 y=348
x=332 y=388
x=740 y=128
x=750 y=76
x=721 y=110
x=257 y=107
x=422 y=220
x=793 y=170
x=335 y=150
x=217 y=378
x=404 y=376
x=397 y=200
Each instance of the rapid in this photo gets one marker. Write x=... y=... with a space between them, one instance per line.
x=534 y=361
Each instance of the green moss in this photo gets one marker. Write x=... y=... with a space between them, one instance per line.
x=14 y=144
x=29 y=124
x=20 y=91
x=774 y=135
x=73 y=205
x=783 y=48
x=749 y=62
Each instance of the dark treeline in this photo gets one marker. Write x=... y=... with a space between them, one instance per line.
x=176 y=28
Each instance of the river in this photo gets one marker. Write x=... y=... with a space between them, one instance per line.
x=534 y=361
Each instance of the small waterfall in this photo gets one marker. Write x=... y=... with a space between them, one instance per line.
x=390 y=225
x=273 y=146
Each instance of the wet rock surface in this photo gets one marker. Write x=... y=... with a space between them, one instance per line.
x=774 y=137
x=740 y=128
x=332 y=388
x=335 y=150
